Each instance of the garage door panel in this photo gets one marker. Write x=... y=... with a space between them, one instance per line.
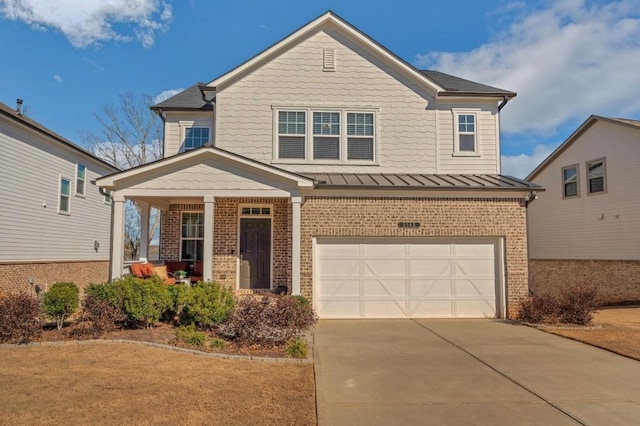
x=339 y=268
x=383 y=250
x=386 y=309
x=429 y=267
x=383 y=267
x=339 y=309
x=476 y=287
x=474 y=267
x=340 y=287
x=475 y=308
x=429 y=250
x=430 y=308
x=475 y=250
x=431 y=288
x=384 y=287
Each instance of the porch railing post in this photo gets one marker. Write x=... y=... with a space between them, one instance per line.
x=207 y=253
x=117 y=245
x=295 y=244
x=144 y=230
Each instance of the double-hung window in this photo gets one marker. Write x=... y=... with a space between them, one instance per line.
x=195 y=137
x=81 y=173
x=360 y=129
x=64 y=194
x=596 y=174
x=570 y=181
x=192 y=236
x=292 y=131
x=326 y=136
x=466 y=133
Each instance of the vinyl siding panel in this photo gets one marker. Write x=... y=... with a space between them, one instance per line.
x=30 y=226
x=599 y=226
x=405 y=116
x=174 y=126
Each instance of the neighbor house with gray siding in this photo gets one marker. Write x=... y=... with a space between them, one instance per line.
x=585 y=229
x=55 y=225
x=328 y=166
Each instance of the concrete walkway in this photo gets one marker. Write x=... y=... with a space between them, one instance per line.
x=463 y=372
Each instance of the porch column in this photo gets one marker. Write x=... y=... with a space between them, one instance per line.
x=117 y=237
x=144 y=230
x=207 y=253
x=295 y=245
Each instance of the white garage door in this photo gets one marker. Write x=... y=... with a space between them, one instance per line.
x=405 y=279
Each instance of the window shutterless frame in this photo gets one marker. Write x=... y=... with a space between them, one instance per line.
x=81 y=179
x=64 y=195
x=465 y=134
x=570 y=176
x=191 y=235
x=596 y=176
x=195 y=137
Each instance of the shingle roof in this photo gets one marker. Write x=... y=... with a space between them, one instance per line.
x=7 y=111
x=459 y=85
x=189 y=99
x=420 y=181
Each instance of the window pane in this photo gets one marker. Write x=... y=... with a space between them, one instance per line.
x=291 y=147
x=266 y=210
x=570 y=174
x=596 y=184
x=195 y=137
x=65 y=187
x=64 y=203
x=570 y=189
x=255 y=210
x=326 y=123
x=360 y=149
x=192 y=225
x=359 y=124
x=246 y=210
x=326 y=148
x=467 y=143
x=81 y=171
x=192 y=249
x=595 y=170
x=79 y=186
x=291 y=123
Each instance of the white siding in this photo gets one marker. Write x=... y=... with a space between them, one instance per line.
x=30 y=226
x=600 y=226
x=406 y=125
x=174 y=126
x=486 y=132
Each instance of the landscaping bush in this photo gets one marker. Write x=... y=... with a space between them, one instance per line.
x=61 y=301
x=20 y=318
x=217 y=343
x=100 y=315
x=297 y=349
x=537 y=308
x=180 y=295
x=268 y=319
x=207 y=304
x=188 y=335
x=574 y=305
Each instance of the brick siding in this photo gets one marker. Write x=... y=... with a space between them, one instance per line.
x=14 y=277
x=617 y=280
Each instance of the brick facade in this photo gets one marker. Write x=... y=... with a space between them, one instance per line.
x=14 y=277
x=379 y=217
x=617 y=280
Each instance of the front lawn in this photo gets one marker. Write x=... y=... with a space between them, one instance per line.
x=129 y=384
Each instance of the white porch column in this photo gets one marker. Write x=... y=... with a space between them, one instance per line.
x=295 y=245
x=144 y=230
x=117 y=237
x=207 y=253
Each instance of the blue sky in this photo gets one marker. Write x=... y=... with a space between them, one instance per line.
x=567 y=59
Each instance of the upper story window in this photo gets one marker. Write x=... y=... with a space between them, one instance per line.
x=81 y=172
x=596 y=175
x=64 y=194
x=321 y=136
x=466 y=133
x=570 y=181
x=195 y=137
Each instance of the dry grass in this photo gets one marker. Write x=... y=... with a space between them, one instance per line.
x=615 y=329
x=129 y=384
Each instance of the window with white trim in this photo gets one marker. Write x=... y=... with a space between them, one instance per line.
x=195 y=137
x=292 y=134
x=319 y=135
x=596 y=175
x=192 y=236
x=81 y=174
x=64 y=196
x=107 y=197
x=466 y=133
x=570 y=181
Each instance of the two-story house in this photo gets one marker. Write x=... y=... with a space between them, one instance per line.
x=55 y=225
x=331 y=166
x=585 y=229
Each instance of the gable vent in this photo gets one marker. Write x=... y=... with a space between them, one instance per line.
x=329 y=63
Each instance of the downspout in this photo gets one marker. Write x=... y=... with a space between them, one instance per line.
x=505 y=99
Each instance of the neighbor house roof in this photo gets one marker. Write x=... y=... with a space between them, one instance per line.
x=419 y=181
x=11 y=114
x=438 y=82
x=635 y=124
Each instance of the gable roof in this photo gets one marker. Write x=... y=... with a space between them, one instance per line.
x=188 y=100
x=456 y=86
x=7 y=112
x=635 y=124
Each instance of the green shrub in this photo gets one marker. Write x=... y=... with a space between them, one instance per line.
x=20 y=318
x=218 y=343
x=302 y=300
x=61 y=301
x=207 y=304
x=180 y=295
x=191 y=337
x=297 y=349
x=268 y=319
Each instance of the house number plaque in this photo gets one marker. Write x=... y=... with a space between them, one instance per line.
x=408 y=224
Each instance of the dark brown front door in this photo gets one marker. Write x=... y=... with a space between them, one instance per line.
x=255 y=253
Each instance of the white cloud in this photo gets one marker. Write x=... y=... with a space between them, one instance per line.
x=57 y=78
x=521 y=165
x=567 y=61
x=166 y=95
x=87 y=22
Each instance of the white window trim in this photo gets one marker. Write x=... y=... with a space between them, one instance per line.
x=276 y=135
x=571 y=166
x=604 y=176
x=343 y=110
x=456 y=134
x=84 y=182
x=60 y=178
x=184 y=125
x=191 y=239
x=252 y=216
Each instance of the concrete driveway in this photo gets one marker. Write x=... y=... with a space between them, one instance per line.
x=462 y=372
